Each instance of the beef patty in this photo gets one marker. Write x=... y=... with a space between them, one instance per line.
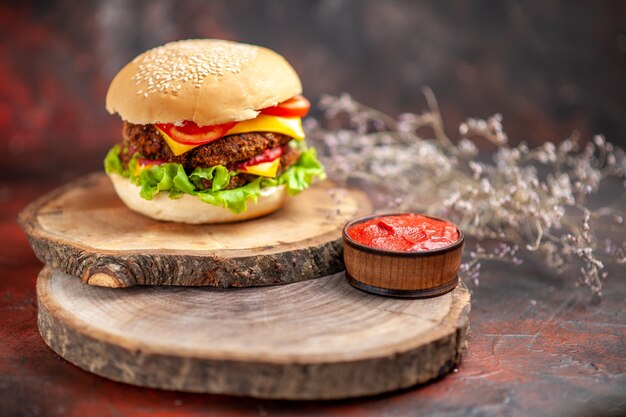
x=147 y=140
x=226 y=151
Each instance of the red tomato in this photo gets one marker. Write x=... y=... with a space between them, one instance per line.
x=190 y=133
x=267 y=155
x=144 y=162
x=296 y=106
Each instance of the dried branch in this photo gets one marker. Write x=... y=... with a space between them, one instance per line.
x=534 y=199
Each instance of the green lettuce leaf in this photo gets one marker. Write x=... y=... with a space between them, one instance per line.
x=165 y=177
x=218 y=174
x=172 y=178
x=235 y=199
x=300 y=175
x=112 y=162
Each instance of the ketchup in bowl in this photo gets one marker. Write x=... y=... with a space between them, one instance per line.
x=404 y=232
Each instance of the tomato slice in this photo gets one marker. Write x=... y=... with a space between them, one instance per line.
x=267 y=155
x=149 y=162
x=190 y=133
x=296 y=106
x=143 y=163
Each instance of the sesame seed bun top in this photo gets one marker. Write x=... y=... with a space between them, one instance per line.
x=207 y=81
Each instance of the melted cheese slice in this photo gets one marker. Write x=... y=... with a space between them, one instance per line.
x=264 y=169
x=145 y=165
x=289 y=126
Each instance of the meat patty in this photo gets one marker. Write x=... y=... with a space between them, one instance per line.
x=289 y=158
x=147 y=140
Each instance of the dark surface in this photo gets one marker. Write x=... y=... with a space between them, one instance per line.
x=538 y=345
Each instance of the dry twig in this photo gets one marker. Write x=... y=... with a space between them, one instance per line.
x=533 y=199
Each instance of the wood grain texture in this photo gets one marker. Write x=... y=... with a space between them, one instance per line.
x=318 y=339
x=83 y=229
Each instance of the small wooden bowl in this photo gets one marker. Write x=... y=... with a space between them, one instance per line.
x=419 y=274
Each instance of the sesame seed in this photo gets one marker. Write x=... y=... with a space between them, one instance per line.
x=167 y=68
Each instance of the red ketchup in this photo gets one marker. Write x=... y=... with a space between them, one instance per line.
x=404 y=232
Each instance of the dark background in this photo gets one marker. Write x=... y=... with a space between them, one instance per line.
x=550 y=67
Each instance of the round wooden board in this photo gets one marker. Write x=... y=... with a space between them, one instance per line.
x=317 y=339
x=84 y=229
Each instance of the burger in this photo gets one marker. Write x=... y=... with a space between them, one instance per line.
x=212 y=132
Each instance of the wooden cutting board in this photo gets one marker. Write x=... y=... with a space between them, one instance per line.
x=84 y=229
x=316 y=339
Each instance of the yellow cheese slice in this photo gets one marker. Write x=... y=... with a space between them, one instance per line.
x=177 y=148
x=290 y=126
x=140 y=167
x=264 y=169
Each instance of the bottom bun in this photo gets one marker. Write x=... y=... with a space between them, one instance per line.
x=190 y=209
